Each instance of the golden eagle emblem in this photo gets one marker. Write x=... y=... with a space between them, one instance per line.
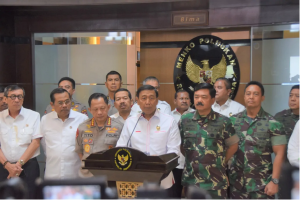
x=205 y=74
x=122 y=160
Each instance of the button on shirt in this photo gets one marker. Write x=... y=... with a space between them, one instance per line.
x=162 y=106
x=160 y=135
x=17 y=134
x=118 y=117
x=229 y=108
x=177 y=117
x=59 y=145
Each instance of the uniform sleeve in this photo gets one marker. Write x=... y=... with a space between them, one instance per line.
x=36 y=128
x=229 y=133
x=293 y=147
x=84 y=110
x=78 y=142
x=174 y=140
x=277 y=133
x=124 y=137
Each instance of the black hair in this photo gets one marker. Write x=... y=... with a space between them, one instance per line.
x=294 y=87
x=201 y=86
x=67 y=79
x=97 y=96
x=146 y=87
x=58 y=91
x=122 y=90
x=113 y=73
x=258 y=84
x=180 y=91
x=2 y=88
x=150 y=78
x=226 y=81
x=12 y=88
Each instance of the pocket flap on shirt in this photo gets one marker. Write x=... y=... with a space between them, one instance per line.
x=189 y=134
x=111 y=141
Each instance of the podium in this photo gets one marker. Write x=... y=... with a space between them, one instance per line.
x=130 y=168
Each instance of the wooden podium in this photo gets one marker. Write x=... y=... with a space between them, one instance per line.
x=130 y=168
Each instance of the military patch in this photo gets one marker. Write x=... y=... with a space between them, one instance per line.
x=88 y=131
x=87 y=148
x=76 y=106
x=85 y=140
x=111 y=131
x=89 y=126
x=108 y=129
x=108 y=122
x=90 y=141
x=84 y=111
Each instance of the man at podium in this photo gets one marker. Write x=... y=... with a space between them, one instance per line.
x=152 y=132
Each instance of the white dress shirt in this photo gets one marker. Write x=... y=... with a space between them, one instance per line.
x=177 y=117
x=293 y=147
x=16 y=134
x=58 y=142
x=160 y=135
x=118 y=117
x=229 y=108
x=162 y=106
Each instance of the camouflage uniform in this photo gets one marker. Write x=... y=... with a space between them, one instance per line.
x=251 y=168
x=75 y=105
x=288 y=119
x=112 y=109
x=91 y=139
x=204 y=140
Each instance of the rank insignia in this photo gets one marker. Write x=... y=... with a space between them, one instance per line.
x=76 y=106
x=87 y=148
x=114 y=129
x=89 y=126
x=158 y=128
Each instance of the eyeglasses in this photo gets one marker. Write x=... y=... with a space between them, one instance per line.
x=61 y=103
x=13 y=97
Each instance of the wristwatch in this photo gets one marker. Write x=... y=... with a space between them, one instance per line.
x=21 y=162
x=275 y=181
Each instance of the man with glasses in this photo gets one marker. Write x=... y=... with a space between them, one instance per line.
x=162 y=106
x=19 y=139
x=3 y=104
x=59 y=132
x=68 y=84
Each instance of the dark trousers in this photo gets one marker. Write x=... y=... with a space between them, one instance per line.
x=31 y=171
x=176 y=189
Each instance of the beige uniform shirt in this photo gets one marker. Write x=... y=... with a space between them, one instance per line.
x=76 y=106
x=92 y=139
x=112 y=109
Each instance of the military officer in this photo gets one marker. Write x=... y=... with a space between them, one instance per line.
x=205 y=136
x=96 y=134
x=68 y=84
x=252 y=174
x=161 y=105
x=224 y=105
x=289 y=117
x=113 y=83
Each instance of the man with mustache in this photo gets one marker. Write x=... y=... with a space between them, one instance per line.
x=289 y=117
x=59 y=130
x=3 y=104
x=252 y=174
x=19 y=140
x=113 y=83
x=97 y=134
x=182 y=103
x=68 y=84
x=208 y=141
x=223 y=104
x=123 y=103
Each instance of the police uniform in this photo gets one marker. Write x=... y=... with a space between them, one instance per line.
x=288 y=120
x=204 y=140
x=251 y=168
x=162 y=106
x=112 y=109
x=75 y=105
x=92 y=139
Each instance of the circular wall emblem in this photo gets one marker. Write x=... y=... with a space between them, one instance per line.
x=204 y=59
x=123 y=159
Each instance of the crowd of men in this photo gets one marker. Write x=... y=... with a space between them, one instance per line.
x=224 y=147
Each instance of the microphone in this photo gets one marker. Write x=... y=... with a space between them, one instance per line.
x=142 y=115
